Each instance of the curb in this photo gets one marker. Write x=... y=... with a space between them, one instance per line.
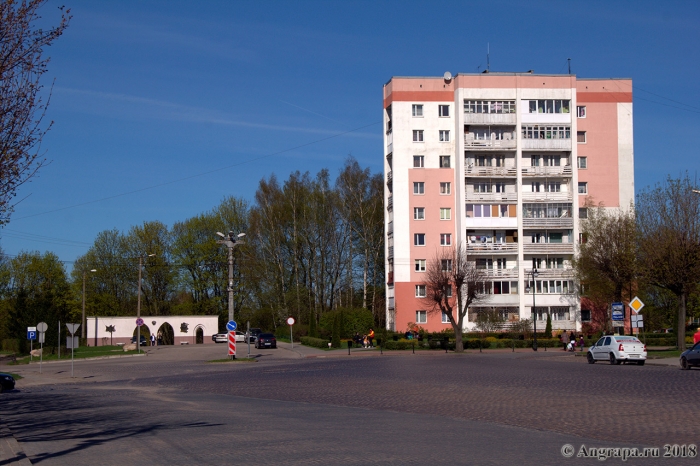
x=34 y=363
x=10 y=451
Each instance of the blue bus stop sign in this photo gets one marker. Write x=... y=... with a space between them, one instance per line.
x=231 y=326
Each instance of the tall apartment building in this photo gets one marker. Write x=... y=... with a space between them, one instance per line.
x=502 y=163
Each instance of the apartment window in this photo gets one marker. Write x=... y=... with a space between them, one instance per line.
x=552 y=187
x=444 y=110
x=445 y=318
x=445 y=188
x=581 y=137
x=501 y=287
x=582 y=212
x=585 y=313
x=418 y=161
x=445 y=239
x=583 y=188
x=489 y=106
x=419 y=265
x=418 y=187
x=445 y=213
x=421 y=317
x=444 y=135
x=448 y=291
x=482 y=187
x=444 y=161
x=582 y=162
x=546 y=132
x=419 y=213
x=549 y=106
x=420 y=291
x=419 y=239
x=417 y=135
x=417 y=110
x=581 y=111
x=446 y=265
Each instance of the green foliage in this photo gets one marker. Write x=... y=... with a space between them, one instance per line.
x=314 y=342
x=354 y=321
x=548 y=326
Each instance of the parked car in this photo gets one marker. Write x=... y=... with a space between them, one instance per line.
x=7 y=382
x=223 y=337
x=618 y=349
x=143 y=340
x=690 y=357
x=266 y=340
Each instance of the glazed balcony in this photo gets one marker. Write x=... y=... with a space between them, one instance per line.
x=548 y=222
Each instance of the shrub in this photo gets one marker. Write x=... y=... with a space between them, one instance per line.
x=11 y=344
x=314 y=342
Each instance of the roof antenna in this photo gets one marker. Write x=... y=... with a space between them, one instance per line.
x=488 y=54
x=569 y=60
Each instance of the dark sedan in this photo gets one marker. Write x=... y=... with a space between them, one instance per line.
x=690 y=357
x=266 y=340
x=7 y=382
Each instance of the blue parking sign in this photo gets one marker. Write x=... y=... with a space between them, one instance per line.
x=31 y=335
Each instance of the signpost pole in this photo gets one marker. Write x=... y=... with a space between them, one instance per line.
x=290 y=322
x=59 y=339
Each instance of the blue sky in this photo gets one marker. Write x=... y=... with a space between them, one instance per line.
x=149 y=94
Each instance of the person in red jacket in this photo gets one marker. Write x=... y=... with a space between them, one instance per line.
x=696 y=337
x=370 y=337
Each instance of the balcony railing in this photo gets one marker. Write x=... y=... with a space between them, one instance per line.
x=556 y=222
x=548 y=196
x=512 y=197
x=501 y=273
x=492 y=248
x=390 y=254
x=471 y=170
x=492 y=143
x=390 y=301
x=548 y=248
x=390 y=228
x=390 y=179
x=555 y=273
x=564 y=170
x=546 y=144
x=489 y=118
x=390 y=203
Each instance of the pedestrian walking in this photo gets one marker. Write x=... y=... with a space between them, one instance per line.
x=370 y=337
x=153 y=340
x=565 y=339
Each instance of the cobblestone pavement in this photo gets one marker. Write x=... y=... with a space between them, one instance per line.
x=397 y=408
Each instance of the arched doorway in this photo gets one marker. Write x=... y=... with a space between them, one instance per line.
x=166 y=335
x=145 y=333
x=199 y=335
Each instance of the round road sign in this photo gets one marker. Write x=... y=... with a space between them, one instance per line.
x=41 y=327
x=290 y=321
x=231 y=326
x=139 y=321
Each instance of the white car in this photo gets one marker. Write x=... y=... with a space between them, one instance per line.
x=618 y=348
x=223 y=337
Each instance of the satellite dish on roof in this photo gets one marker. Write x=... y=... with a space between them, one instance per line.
x=447 y=76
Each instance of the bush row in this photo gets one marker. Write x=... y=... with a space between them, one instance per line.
x=314 y=342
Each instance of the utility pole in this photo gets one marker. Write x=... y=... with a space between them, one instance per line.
x=82 y=322
x=138 y=305
x=230 y=241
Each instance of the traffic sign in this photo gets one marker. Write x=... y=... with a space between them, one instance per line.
x=231 y=342
x=72 y=328
x=231 y=326
x=637 y=321
x=290 y=321
x=41 y=326
x=139 y=321
x=636 y=304
x=31 y=335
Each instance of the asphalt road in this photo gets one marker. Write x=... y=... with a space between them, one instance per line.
x=313 y=407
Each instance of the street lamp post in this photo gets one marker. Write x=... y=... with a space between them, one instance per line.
x=230 y=241
x=533 y=273
x=82 y=322
x=138 y=304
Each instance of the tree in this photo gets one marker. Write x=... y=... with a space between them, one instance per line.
x=22 y=110
x=668 y=222
x=451 y=270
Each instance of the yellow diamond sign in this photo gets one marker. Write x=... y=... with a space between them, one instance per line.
x=636 y=304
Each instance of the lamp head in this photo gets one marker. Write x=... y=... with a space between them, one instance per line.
x=241 y=235
x=221 y=234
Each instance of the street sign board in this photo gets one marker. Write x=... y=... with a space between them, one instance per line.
x=139 y=321
x=618 y=312
x=72 y=342
x=41 y=326
x=231 y=326
x=31 y=334
x=72 y=328
x=636 y=304
x=41 y=337
x=637 y=321
x=232 y=342
x=290 y=321
x=618 y=323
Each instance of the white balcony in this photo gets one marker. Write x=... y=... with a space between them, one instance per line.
x=471 y=170
x=564 y=170
x=492 y=197
x=489 y=118
x=493 y=274
x=491 y=222
x=544 y=222
x=556 y=196
x=492 y=248
x=555 y=273
x=548 y=248
x=546 y=144
x=489 y=144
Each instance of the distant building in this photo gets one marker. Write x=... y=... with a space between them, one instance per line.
x=504 y=164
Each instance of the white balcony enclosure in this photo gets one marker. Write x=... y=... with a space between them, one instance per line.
x=546 y=144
